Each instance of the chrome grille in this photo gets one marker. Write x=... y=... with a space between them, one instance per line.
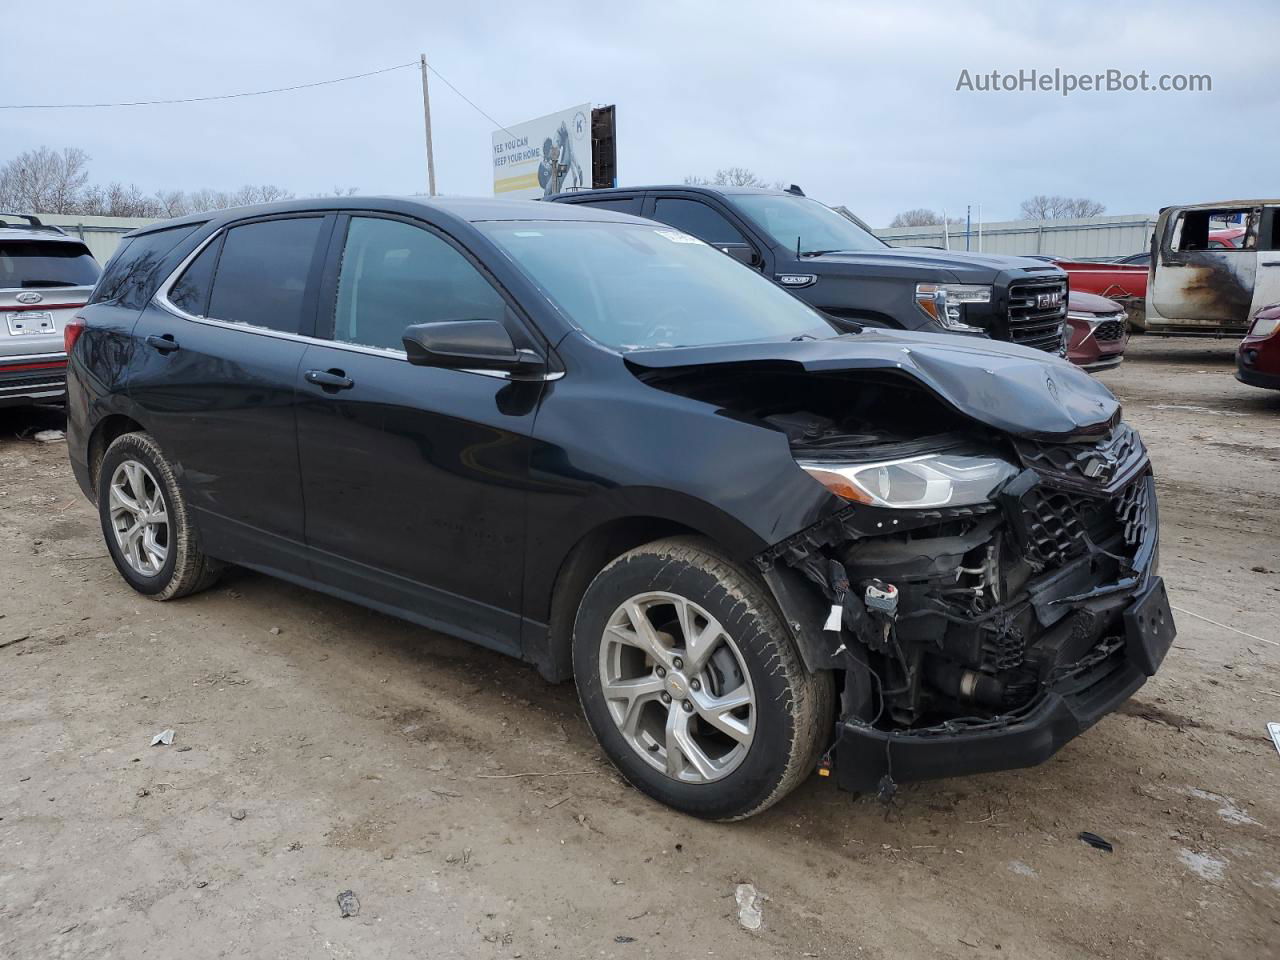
x=1032 y=323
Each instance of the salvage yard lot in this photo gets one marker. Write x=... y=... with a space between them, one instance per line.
x=321 y=747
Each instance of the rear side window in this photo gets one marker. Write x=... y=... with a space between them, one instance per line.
x=36 y=264
x=395 y=274
x=698 y=219
x=261 y=276
x=130 y=277
x=620 y=204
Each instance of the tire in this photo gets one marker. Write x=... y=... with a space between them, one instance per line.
x=640 y=696
x=165 y=561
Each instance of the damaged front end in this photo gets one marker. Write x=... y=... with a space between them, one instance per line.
x=981 y=634
x=984 y=582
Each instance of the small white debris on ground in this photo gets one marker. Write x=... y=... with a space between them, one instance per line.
x=749 y=906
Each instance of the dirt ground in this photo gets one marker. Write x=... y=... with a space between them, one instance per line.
x=321 y=747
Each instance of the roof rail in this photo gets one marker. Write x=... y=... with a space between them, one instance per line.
x=33 y=221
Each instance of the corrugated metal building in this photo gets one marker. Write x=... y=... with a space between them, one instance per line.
x=101 y=234
x=1078 y=239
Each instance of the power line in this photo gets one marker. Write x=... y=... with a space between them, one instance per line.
x=468 y=99
x=224 y=96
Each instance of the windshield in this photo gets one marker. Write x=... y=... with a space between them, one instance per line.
x=804 y=224
x=36 y=263
x=632 y=286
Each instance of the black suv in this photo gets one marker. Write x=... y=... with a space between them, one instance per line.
x=757 y=545
x=833 y=263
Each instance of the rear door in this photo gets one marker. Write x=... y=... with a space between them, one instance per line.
x=1200 y=284
x=219 y=352
x=414 y=477
x=1266 y=283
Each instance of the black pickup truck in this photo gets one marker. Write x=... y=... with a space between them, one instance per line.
x=844 y=270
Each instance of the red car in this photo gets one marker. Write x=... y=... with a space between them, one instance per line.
x=1124 y=282
x=1258 y=356
x=1097 y=331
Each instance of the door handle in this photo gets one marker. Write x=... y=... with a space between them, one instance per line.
x=1269 y=263
x=165 y=344
x=329 y=379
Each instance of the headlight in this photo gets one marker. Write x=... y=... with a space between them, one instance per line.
x=944 y=302
x=933 y=480
x=1265 y=326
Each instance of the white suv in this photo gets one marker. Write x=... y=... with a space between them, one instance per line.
x=45 y=276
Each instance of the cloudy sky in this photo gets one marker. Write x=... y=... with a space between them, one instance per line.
x=856 y=102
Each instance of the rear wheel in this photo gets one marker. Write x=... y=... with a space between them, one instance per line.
x=692 y=686
x=146 y=524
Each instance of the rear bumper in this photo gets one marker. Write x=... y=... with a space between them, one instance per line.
x=1029 y=736
x=34 y=379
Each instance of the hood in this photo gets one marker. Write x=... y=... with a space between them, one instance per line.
x=926 y=263
x=1017 y=390
x=1082 y=302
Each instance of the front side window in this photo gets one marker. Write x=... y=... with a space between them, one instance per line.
x=697 y=218
x=804 y=225
x=261 y=275
x=394 y=274
x=1228 y=229
x=633 y=286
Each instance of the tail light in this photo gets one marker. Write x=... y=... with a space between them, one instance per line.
x=71 y=333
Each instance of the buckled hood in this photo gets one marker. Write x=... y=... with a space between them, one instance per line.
x=1017 y=390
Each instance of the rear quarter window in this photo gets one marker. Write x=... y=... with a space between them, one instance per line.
x=40 y=264
x=130 y=278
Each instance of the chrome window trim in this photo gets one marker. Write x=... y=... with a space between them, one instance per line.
x=161 y=299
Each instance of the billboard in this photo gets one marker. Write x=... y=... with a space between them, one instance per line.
x=533 y=158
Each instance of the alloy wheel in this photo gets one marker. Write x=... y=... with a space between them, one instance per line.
x=139 y=518
x=677 y=687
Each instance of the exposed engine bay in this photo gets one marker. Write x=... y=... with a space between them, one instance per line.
x=955 y=619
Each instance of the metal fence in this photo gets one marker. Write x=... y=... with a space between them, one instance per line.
x=1083 y=239
x=1079 y=239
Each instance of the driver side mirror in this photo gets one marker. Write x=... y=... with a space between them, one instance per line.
x=467 y=345
x=743 y=253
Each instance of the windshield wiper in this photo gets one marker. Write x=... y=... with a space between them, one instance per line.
x=819 y=253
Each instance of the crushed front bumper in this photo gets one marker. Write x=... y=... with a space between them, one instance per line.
x=864 y=755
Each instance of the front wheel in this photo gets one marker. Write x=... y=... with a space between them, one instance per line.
x=691 y=684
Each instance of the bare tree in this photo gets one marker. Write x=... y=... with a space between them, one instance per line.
x=920 y=217
x=730 y=177
x=44 y=180
x=1042 y=207
x=344 y=191
x=117 y=200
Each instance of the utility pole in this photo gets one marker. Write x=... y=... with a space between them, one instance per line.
x=426 y=116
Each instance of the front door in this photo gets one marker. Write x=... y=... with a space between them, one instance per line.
x=1199 y=280
x=414 y=477
x=219 y=353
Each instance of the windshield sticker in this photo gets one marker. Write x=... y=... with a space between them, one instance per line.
x=675 y=236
